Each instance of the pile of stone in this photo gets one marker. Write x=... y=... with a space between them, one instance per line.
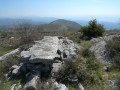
x=45 y=57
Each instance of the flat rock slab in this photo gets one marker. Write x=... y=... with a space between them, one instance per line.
x=46 y=50
x=43 y=51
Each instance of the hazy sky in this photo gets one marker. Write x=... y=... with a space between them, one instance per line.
x=60 y=8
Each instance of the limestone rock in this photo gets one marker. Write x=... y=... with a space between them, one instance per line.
x=80 y=86
x=99 y=48
x=110 y=37
x=32 y=81
x=43 y=51
x=14 y=72
x=112 y=83
x=13 y=87
x=59 y=86
x=16 y=87
x=100 y=51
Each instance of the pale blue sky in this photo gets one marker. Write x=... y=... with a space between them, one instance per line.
x=60 y=8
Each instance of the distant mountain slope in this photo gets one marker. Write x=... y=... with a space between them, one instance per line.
x=6 y=23
x=61 y=25
x=31 y=20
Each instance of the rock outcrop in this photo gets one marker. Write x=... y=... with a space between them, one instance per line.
x=100 y=51
x=50 y=49
x=9 y=54
x=110 y=37
x=99 y=48
x=43 y=58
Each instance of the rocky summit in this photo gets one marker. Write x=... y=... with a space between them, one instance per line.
x=43 y=58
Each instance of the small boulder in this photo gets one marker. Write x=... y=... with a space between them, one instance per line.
x=73 y=78
x=60 y=87
x=32 y=81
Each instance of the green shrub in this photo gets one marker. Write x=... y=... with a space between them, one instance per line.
x=86 y=43
x=93 y=29
x=85 y=52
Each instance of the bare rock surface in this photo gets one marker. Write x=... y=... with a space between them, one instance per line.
x=99 y=48
x=100 y=51
x=110 y=37
x=49 y=49
x=43 y=51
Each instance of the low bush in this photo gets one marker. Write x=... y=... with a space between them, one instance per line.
x=4 y=68
x=7 y=63
x=85 y=52
x=86 y=43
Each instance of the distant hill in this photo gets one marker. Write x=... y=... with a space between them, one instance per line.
x=31 y=20
x=60 y=25
x=6 y=23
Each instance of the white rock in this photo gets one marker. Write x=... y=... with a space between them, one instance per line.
x=13 y=87
x=13 y=67
x=31 y=82
x=80 y=86
x=19 y=87
x=60 y=87
x=15 y=71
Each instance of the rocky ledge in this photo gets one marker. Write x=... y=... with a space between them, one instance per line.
x=44 y=58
